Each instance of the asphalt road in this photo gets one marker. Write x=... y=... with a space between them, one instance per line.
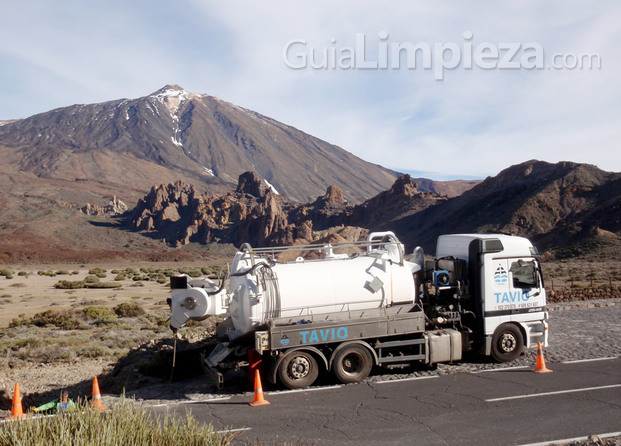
x=512 y=406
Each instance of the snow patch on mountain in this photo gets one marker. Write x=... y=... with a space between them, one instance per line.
x=271 y=187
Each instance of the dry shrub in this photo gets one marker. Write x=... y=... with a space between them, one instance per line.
x=50 y=318
x=102 y=285
x=98 y=312
x=122 y=423
x=129 y=309
x=69 y=284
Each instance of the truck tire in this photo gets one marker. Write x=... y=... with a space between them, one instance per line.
x=507 y=343
x=298 y=370
x=352 y=364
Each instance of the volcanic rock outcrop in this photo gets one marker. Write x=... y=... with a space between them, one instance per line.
x=565 y=208
x=255 y=214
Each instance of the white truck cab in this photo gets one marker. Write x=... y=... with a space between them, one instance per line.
x=506 y=289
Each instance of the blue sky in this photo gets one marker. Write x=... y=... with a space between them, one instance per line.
x=471 y=112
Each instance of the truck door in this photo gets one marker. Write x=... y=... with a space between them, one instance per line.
x=516 y=287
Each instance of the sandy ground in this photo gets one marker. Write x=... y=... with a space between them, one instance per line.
x=32 y=294
x=25 y=295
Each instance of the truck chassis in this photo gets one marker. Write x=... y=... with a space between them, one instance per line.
x=350 y=343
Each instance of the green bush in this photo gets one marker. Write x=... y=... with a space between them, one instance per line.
x=192 y=272
x=16 y=323
x=46 y=273
x=102 y=285
x=129 y=309
x=124 y=423
x=69 y=284
x=49 y=318
x=97 y=312
x=93 y=351
x=155 y=319
x=96 y=271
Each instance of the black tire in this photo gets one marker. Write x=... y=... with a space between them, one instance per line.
x=298 y=370
x=507 y=343
x=352 y=364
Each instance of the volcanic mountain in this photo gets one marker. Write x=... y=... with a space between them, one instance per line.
x=99 y=158
x=566 y=208
x=173 y=134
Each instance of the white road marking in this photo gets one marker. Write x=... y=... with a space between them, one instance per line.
x=240 y=429
x=312 y=389
x=577 y=361
x=211 y=400
x=572 y=440
x=560 y=392
x=502 y=369
x=416 y=378
x=248 y=395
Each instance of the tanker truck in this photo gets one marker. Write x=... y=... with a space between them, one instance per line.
x=344 y=308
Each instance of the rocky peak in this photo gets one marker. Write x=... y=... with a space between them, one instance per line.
x=333 y=195
x=172 y=96
x=169 y=90
x=178 y=192
x=401 y=200
x=251 y=183
x=404 y=185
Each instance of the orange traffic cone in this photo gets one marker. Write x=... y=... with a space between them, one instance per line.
x=96 y=401
x=541 y=362
x=258 y=391
x=16 y=409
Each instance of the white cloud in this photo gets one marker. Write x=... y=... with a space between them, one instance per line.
x=474 y=122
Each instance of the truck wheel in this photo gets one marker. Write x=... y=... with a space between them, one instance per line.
x=298 y=370
x=352 y=364
x=507 y=343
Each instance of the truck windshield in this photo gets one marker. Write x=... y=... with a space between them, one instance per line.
x=524 y=274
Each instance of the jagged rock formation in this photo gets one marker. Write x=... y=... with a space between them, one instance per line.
x=565 y=208
x=255 y=214
x=180 y=215
x=401 y=200
x=115 y=207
